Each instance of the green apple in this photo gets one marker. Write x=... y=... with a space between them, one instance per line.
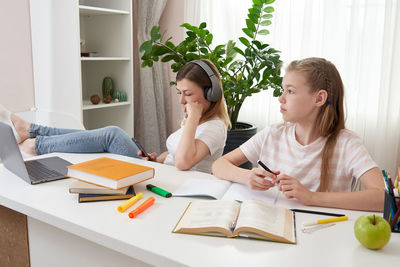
x=372 y=231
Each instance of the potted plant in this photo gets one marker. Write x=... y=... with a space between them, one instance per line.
x=246 y=69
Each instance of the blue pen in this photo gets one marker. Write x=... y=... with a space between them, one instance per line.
x=233 y=226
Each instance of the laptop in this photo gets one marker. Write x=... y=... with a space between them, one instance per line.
x=32 y=171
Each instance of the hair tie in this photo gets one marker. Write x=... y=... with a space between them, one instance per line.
x=329 y=102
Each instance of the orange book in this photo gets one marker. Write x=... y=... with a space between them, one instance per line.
x=110 y=173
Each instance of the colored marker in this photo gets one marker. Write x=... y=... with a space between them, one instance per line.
x=129 y=202
x=335 y=219
x=142 y=207
x=158 y=190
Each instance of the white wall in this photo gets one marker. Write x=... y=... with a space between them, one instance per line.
x=16 y=76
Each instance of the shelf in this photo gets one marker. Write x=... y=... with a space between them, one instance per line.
x=93 y=11
x=105 y=59
x=88 y=105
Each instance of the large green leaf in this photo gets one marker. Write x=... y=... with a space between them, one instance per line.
x=160 y=50
x=230 y=49
x=267 y=16
x=203 y=50
x=209 y=38
x=250 y=25
x=269 y=9
x=168 y=58
x=154 y=33
x=244 y=41
x=248 y=32
x=265 y=22
x=268 y=2
x=254 y=18
x=264 y=32
x=146 y=47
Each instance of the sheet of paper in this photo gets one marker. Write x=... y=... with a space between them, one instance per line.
x=203 y=188
x=243 y=192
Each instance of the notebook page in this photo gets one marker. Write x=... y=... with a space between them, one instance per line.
x=202 y=188
x=242 y=192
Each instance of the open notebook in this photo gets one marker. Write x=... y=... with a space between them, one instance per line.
x=221 y=189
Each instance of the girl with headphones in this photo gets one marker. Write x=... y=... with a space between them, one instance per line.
x=196 y=145
x=201 y=138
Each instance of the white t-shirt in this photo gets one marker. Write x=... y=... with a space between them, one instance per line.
x=212 y=133
x=277 y=148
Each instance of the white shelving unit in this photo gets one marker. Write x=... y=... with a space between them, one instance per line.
x=64 y=81
x=106 y=28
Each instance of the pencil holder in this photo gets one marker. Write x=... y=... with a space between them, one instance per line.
x=391 y=204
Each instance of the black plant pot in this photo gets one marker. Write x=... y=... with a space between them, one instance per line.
x=238 y=136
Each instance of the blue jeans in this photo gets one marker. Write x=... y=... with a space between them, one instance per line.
x=110 y=139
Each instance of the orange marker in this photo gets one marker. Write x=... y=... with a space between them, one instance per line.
x=142 y=207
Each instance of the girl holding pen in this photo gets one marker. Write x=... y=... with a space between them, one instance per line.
x=313 y=156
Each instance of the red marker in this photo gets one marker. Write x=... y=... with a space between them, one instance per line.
x=142 y=207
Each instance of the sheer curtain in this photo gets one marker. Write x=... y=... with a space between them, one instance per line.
x=152 y=97
x=361 y=37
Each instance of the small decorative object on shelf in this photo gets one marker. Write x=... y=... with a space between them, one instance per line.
x=123 y=96
x=95 y=99
x=120 y=96
x=108 y=87
x=107 y=99
x=89 y=54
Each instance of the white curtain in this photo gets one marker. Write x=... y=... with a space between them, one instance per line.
x=152 y=91
x=361 y=37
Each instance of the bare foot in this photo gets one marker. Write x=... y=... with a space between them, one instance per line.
x=28 y=146
x=21 y=126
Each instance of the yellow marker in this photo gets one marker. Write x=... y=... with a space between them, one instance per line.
x=334 y=219
x=129 y=202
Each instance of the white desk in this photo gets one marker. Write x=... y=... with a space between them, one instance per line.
x=63 y=232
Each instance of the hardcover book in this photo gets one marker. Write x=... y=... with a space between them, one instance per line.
x=105 y=197
x=79 y=187
x=110 y=173
x=229 y=218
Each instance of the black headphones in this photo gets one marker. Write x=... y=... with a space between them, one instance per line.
x=213 y=93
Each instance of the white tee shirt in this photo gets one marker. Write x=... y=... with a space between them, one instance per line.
x=212 y=133
x=277 y=147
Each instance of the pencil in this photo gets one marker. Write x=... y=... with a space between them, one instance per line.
x=329 y=220
x=318 y=212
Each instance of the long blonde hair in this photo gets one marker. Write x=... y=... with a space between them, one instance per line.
x=322 y=74
x=196 y=74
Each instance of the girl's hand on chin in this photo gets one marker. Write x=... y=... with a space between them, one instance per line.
x=193 y=109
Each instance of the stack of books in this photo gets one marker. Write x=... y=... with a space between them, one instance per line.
x=107 y=179
x=89 y=192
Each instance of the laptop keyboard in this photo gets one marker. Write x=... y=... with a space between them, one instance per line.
x=38 y=171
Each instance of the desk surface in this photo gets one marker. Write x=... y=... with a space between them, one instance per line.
x=149 y=238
